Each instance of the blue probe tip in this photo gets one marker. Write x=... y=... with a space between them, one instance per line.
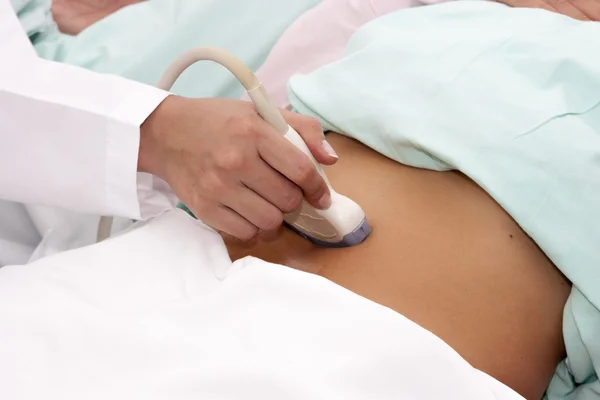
x=357 y=236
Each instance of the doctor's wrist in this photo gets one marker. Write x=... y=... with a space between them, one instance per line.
x=150 y=155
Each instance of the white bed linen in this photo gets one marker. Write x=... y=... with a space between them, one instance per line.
x=160 y=312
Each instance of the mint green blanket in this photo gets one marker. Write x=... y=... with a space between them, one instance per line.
x=510 y=97
x=141 y=40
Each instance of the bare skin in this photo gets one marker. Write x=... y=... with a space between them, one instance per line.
x=446 y=255
x=583 y=10
x=73 y=16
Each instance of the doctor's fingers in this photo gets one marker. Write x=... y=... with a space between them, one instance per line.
x=204 y=197
x=292 y=163
x=223 y=219
x=217 y=189
x=255 y=209
x=273 y=187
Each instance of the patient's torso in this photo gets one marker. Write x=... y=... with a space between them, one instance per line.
x=446 y=256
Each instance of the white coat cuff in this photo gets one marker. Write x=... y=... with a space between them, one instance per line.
x=129 y=193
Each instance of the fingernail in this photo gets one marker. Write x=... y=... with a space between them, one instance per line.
x=325 y=202
x=328 y=149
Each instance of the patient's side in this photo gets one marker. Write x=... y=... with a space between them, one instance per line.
x=446 y=255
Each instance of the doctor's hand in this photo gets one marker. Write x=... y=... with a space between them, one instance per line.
x=584 y=10
x=230 y=167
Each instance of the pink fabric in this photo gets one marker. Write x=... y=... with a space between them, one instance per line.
x=320 y=37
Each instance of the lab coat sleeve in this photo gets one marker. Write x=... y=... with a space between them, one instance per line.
x=70 y=137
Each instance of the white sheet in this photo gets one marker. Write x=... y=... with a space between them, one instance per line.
x=145 y=316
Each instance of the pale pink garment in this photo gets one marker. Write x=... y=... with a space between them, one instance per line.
x=319 y=37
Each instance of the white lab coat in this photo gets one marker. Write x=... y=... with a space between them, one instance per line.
x=69 y=142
